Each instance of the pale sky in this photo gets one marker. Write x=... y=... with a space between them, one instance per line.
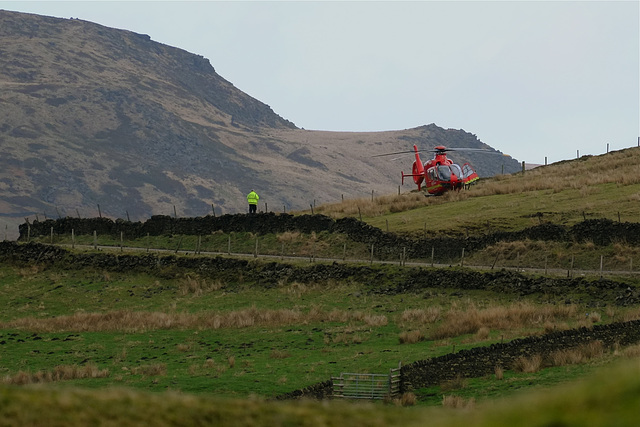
x=529 y=78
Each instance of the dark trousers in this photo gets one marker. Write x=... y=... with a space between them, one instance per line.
x=252 y=209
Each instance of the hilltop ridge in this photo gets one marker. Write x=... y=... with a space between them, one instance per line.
x=101 y=116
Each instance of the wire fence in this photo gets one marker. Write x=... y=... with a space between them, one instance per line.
x=297 y=247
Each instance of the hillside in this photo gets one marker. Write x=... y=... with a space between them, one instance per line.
x=217 y=336
x=99 y=116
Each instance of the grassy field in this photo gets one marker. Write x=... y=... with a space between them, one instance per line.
x=563 y=193
x=87 y=346
x=608 y=398
x=196 y=335
x=606 y=186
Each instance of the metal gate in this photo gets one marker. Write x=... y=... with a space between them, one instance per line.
x=367 y=386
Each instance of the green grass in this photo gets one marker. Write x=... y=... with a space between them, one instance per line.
x=194 y=375
x=233 y=361
x=463 y=213
x=610 y=397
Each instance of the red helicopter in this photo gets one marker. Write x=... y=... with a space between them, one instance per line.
x=440 y=174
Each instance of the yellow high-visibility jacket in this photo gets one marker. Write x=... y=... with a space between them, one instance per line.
x=252 y=198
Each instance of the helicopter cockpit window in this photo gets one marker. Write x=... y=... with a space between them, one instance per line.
x=456 y=170
x=444 y=173
x=432 y=174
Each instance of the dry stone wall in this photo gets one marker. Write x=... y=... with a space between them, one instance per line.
x=481 y=361
x=376 y=279
x=387 y=245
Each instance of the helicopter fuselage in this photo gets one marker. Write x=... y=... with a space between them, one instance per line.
x=440 y=174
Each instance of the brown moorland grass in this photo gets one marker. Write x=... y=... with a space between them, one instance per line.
x=582 y=175
x=458 y=402
x=420 y=316
x=138 y=321
x=411 y=337
x=59 y=373
x=156 y=369
x=528 y=365
x=515 y=316
x=571 y=356
x=580 y=354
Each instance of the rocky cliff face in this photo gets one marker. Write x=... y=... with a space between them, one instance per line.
x=98 y=116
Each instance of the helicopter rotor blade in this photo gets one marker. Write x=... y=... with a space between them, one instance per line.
x=391 y=154
x=443 y=150
x=404 y=156
x=475 y=150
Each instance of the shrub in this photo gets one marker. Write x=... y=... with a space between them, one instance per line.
x=499 y=372
x=411 y=337
x=457 y=402
x=528 y=364
x=408 y=399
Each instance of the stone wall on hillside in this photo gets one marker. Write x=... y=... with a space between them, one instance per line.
x=378 y=279
x=387 y=245
x=481 y=361
x=374 y=279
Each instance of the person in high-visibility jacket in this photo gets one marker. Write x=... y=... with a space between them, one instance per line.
x=252 y=199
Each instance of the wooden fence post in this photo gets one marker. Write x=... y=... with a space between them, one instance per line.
x=121 y=240
x=570 y=272
x=255 y=253
x=495 y=261
x=73 y=239
x=95 y=239
x=52 y=235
